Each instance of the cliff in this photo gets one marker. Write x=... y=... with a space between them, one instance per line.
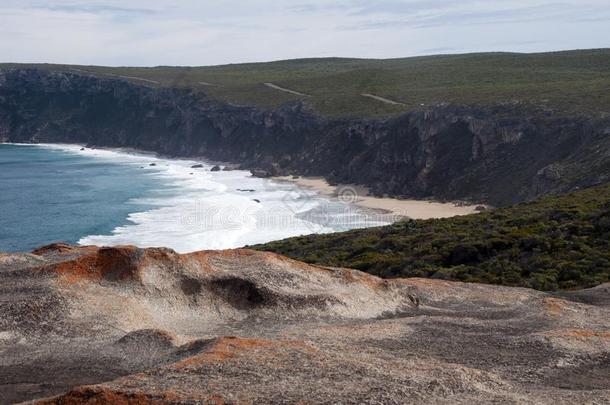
x=127 y=325
x=498 y=154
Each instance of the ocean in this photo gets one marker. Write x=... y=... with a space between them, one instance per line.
x=51 y=193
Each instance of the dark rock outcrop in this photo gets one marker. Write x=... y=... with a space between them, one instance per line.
x=497 y=154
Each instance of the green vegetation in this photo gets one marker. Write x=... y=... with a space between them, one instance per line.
x=552 y=243
x=574 y=81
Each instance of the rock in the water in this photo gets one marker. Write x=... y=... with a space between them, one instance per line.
x=152 y=164
x=198 y=166
x=256 y=200
x=261 y=173
x=215 y=168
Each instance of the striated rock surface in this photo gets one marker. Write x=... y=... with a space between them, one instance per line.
x=127 y=325
x=496 y=154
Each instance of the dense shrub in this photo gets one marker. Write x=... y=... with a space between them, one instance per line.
x=553 y=243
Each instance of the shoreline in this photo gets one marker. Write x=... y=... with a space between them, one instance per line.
x=359 y=196
x=355 y=195
x=196 y=208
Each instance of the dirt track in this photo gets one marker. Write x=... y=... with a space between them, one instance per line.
x=382 y=99
x=276 y=87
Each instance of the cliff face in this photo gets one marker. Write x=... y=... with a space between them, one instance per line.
x=499 y=155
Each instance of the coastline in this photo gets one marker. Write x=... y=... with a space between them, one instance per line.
x=351 y=194
x=359 y=196
x=196 y=208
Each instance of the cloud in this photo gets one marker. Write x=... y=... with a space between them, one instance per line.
x=557 y=11
x=200 y=32
x=99 y=9
x=365 y=8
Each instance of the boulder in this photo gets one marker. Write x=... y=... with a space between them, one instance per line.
x=261 y=173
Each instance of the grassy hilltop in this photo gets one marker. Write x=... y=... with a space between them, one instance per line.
x=572 y=81
x=552 y=243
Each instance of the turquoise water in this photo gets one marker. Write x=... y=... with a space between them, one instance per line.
x=49 y=195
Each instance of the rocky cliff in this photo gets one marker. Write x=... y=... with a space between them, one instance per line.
x=499 y=155
x=140 y=326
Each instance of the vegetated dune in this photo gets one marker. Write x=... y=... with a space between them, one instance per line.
x=129 y=325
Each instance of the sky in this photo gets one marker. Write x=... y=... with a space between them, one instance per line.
x=200 y=32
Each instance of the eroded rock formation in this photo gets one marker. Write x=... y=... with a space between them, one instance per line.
x=128 y=325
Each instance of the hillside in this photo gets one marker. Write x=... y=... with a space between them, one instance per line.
x=123 y=325
x=497 y=154
x=570 y=82
x=552 y=243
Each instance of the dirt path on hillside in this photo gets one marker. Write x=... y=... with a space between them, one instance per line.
x=276 y=87
x=382 y=99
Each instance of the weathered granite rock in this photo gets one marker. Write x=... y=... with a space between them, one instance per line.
x=126 y=325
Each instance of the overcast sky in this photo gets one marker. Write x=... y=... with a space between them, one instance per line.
x=200 y=32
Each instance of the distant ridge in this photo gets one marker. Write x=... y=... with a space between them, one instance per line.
x=568 y=81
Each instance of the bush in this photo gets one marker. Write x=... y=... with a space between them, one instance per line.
x=553 y=243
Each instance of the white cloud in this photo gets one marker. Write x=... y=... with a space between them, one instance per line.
x=192 y=32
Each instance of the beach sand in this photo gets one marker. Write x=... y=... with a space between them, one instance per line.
x=358 y=195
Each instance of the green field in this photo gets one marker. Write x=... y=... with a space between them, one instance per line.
x=571 y=81
x=552 y=243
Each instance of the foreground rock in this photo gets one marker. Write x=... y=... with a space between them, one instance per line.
x=128 y=325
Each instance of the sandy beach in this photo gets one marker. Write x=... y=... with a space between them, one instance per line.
x=358 y=195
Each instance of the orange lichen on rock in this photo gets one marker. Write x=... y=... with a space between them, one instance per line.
x=554 y=306
x=63 y=249
x=228 y=347
x=222 y=349
x=112 y=264
x=93 y=395
x=579 y=334
x=199 y=259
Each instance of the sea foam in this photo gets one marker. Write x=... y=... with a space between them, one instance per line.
x=196 y=208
